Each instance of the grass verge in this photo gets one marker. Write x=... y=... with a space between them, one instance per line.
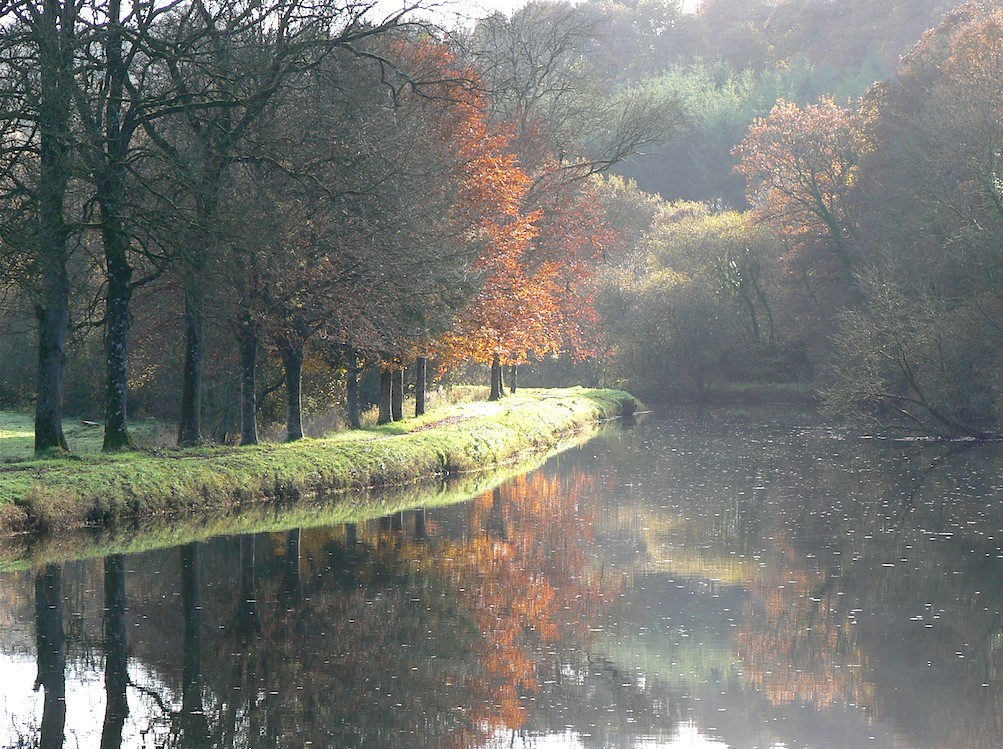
x=212 y=483
x=31 y=551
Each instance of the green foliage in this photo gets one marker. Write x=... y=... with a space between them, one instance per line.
x=672 y=333
x=719 y=105
x=730 y=252
x=701 y=314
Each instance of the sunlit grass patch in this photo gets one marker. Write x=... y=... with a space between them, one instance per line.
x=17 y=435
x=93 y=488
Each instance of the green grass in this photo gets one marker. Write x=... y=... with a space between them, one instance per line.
x=17 y=435
x=86 y=488
x=30 y=552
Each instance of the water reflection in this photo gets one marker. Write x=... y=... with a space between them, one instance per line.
x=50 y=639
x=686 y=583
x=116 y=676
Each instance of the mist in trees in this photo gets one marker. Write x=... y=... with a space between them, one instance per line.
x=230 y=215
x=931 y=310
x=859 y=264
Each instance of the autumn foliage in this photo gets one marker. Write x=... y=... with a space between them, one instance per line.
x=526 y=257
x=526 y=578
x=511 y=314
x=796 y=639
x=799 y=164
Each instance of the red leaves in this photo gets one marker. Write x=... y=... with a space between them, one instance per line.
x=799 y=164
x=798 y=160
x=533 y=256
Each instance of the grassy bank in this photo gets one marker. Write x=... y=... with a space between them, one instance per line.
x=109 y=490
x=28 y=551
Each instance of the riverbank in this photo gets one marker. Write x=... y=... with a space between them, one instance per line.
x=111 y=490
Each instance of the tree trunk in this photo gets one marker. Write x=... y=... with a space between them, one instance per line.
x=201 y=247
x=115 y=238
x=513 y=377
x=397 y=395
x=194 y=725
x=765 y=302
x=56 y=25
x=190 y=427
x=50 y=642
x=116 y=676
x=247 y=341
x=386 y=385
x=53 y=321
x=352 y=388
x=292 y=362
x=420 y=385
x=116 y=426
x=497 y=384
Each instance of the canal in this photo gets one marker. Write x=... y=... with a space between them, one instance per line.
x=747 y=579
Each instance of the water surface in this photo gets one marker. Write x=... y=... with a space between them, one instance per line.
x=747 y=580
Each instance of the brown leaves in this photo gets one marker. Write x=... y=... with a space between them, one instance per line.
x=799 y=164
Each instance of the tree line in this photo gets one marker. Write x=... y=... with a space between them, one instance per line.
x=190 y=182
x=207 y=205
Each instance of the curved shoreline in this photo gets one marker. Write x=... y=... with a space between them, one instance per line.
x=52 y=496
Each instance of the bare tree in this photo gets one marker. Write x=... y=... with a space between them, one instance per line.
x=39 y=42
x=245 y=54
x=536 y=68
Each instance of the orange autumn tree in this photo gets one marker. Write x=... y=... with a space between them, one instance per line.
x=514 y=312
x=799 y=164
x=567 y=126
x=579 y=233
x=538 y=296
x=470 y=208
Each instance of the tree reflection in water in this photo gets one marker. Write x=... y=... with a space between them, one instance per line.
x=116 y=675
x=796 y=639
x=193 y=725
x=742 y=586
x=50 y=638
x=404 y=632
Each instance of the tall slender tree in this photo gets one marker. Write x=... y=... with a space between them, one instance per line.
x=39 y=168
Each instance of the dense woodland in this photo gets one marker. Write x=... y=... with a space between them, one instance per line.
x=229 y=214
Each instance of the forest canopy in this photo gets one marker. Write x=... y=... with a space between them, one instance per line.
x=871 y=244
x=231 y=214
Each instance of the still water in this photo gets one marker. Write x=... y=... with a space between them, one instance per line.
x=747 y=580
